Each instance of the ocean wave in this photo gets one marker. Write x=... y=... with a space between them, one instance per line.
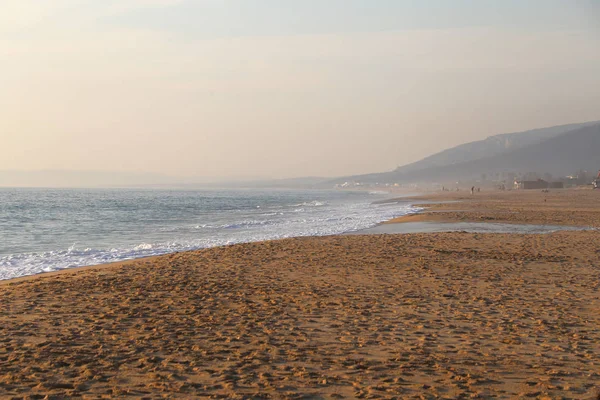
x=378 y=192
x=271 y=214
x=327 y=221
x=314 y=203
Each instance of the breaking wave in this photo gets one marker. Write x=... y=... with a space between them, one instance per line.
x=162 y=233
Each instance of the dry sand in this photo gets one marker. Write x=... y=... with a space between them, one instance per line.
x=574 y=207
x=444 y=315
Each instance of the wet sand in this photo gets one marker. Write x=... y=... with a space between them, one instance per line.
x=437 y=315
x=426 y=226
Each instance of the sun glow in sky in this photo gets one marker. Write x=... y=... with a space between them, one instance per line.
x=283 y=88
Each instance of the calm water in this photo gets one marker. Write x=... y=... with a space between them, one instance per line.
x=471 y=227
x=46 y=230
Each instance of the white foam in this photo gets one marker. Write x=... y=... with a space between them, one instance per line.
x=321 y=220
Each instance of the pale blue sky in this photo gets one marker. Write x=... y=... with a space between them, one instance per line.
x=277 y=88
x=211 y=18
x=226 y=18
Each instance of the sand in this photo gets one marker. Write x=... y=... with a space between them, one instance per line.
x=574 y=207
x=442 y=315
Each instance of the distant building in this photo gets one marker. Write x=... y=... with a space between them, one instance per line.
x=527 y=185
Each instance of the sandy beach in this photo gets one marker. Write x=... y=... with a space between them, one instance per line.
x=439 y=315
x=573 y=207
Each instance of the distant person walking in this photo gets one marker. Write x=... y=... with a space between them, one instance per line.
x=473 y=190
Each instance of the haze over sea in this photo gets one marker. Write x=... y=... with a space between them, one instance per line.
x=44 y=230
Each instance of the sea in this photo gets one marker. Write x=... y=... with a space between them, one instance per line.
x=43 y=230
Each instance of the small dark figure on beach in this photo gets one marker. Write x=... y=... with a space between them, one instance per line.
x=473 y=190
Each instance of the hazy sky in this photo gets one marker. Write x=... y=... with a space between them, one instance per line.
x=283 y=88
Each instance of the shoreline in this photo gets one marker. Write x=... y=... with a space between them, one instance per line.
x=437 y=207
x=83 y=268
x=440 y=315
x=148 y=258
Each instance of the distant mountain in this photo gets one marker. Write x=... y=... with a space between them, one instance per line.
x=558 y=154
x=491 y=146
x=309 y=182
x=113 y=179
x=60 y=178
